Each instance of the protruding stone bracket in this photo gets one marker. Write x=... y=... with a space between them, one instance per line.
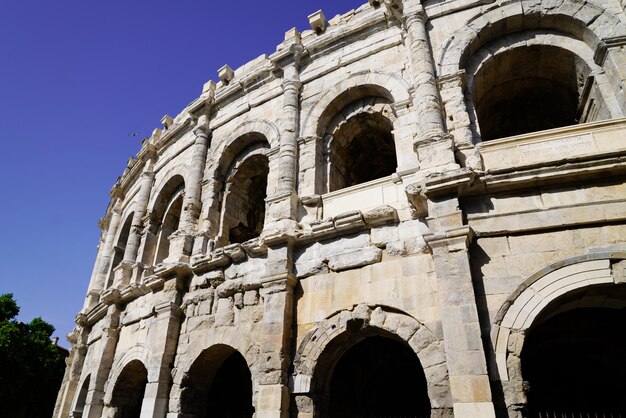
x=394 y=8
x=313 y=207
x=451 y=183
x=226 y=74
x=167 y=121
x=208 y=90
x=318 y=22
x=415 y=193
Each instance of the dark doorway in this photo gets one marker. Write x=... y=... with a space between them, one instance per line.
x=378 y=377
x=219 y=384
x=129 y=390
x=575 y=364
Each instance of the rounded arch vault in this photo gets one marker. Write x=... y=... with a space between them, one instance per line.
x=332 y=338
x=531 y=298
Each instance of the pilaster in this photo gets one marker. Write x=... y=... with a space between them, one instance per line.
x=167 y=324
x=103 y=263
x=434 y=148
x=107 y=343
x=277 y=293
x=611 y=55
x=452 y=89
x=465 y=354
x=73 y=370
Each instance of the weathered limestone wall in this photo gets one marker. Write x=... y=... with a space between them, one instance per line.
x=436 y=256
x=503 y=263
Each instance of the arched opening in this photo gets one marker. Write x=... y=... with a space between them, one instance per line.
x=81 y=399
x=359 y=145
x=168 y=226
x=219 y=384
x=120 y=246
x=129 y=390
x=377 y=377
x=528 y=89
x=574 y=361
x=244 y=193
x=361 y=149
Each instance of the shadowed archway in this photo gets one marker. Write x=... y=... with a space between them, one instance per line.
x=129 y=390
x=219 y=384
x=378 y=377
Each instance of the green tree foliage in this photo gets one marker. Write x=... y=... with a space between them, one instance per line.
x=31 y=366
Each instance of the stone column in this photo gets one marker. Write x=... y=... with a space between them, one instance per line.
x=103 y=263
x=433 y=146
x=123 y=273
x=103 y=357
x=452 y=88
x=181 y=242
x=283 y=205
x=147 y=181
x=290 y=122
x=465 y=354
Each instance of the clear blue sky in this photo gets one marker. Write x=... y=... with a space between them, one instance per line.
x=76 y=78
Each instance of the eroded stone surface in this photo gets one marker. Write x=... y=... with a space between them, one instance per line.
x=344 y=189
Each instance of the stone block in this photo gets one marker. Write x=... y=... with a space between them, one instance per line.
x=474 y=410
x=318 y=22
x=470 y=388
x=225 y=312
x=353 y=259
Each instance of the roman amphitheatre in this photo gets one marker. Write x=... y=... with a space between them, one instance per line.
x=414 y=209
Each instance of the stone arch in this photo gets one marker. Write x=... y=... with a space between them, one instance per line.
x=264 y=127
x=226 y=337
x=561 y=81
x=376 y=320
x=169 y=184
x=119 y=245
x=164 y=214
x=127 y=391
x=482 y=36
x=80 y=400
x=585 y=21
x=388 y=85
x=218 y=379
x=232 y=148
x=139 y=352
x=243 y=159
x=359 y=143
x=586 y=66
x=529 y=300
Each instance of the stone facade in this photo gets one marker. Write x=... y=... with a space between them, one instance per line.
x=431 y=179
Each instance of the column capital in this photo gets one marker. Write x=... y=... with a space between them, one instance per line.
x=452 y=240
x=413 y=11
x=202 y=131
